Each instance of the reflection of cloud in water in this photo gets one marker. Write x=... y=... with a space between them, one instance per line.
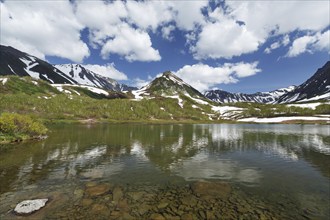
x=178 y=145
x=202 y=166
x=138 y=151
x=278 y=150
x=91 y=154
x=225 y=132
x=104 y=170
x=304 y=137
x=317 y=143
x=80 y=160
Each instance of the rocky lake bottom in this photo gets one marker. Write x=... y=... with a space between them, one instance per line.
x=197 y=200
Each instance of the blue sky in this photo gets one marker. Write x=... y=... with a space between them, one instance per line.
x=237 y=46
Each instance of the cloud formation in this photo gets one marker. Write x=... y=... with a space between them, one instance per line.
x=107 y=70
x=203 y=77
x=43 y=28
x=128 y=28
x=310 y=44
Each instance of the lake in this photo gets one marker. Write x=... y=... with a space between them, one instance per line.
x=141 y=171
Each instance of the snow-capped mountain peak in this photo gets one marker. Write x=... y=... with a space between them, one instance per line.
x=84 y=76
x=221 y=96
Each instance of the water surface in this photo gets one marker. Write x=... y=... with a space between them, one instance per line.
x=154 y=171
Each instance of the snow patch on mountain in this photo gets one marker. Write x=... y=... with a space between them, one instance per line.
x=180 y=101
x=221 y=96
x=3 y=80
x=29 y=65
x=84 y=76
x=60 y=88
x=282 y=119
x=228 y=112
x=11 y=69
x=307 y=105
x=199 y=101
x=325 y=96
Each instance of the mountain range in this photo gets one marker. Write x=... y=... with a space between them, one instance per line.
x=15 y=62
x=315 y=88
x=221 y=96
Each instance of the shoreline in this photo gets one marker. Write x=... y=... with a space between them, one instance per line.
x=17 y=138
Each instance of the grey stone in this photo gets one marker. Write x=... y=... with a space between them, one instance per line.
x=29 y=206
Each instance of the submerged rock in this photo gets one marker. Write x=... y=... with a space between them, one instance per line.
x=27 y=207
x=117 y=194
x=98 y=190
x=211 y=189
x=156 y=216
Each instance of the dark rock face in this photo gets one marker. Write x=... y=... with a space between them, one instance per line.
x=85 y=76
x=15 y=62
x=316 y=86
x=221 y=96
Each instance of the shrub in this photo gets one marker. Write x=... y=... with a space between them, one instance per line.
x=16 y=124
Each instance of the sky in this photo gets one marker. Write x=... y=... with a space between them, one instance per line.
x=236 y=46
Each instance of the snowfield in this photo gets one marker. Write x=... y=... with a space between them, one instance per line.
x=282 y=119
x=3 y=80
x=308 y=105
x=59 y=87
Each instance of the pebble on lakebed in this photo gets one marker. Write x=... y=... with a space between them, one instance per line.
x=27 y=207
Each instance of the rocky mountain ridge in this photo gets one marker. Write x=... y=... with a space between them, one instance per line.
x=15 y=62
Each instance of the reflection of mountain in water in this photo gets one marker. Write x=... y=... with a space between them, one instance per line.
x=189 y=151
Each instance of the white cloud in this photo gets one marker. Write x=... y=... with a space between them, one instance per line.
x=139 y=83
x=284 y=42
x=166 y=32
x=124 y=27
x=264 y=17
x=187 y=16
x=310 y=44
x=323 y=41
x=132 y=44
x=224 y=39
x=244 y=26
x=300 y=45
x=107 y=70
x=43 y=28
x=203 y=77
x=273 y=46
x=109 y=31
x=97 y=14
x=148 y=14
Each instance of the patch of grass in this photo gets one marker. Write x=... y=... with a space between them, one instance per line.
x=16 y=127
x=61 y=107
x=26 y=85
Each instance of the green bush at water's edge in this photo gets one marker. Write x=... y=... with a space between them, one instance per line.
x=15 y=127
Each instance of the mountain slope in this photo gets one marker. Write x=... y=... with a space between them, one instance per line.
x=315 y=88
x=15 y=85
x=221 y=96
x=169 y=84
x=84 y=76
x=15 y=62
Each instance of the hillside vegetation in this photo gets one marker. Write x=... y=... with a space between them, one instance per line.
x=39 y=99
x=16 y=127
x=48 y=103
